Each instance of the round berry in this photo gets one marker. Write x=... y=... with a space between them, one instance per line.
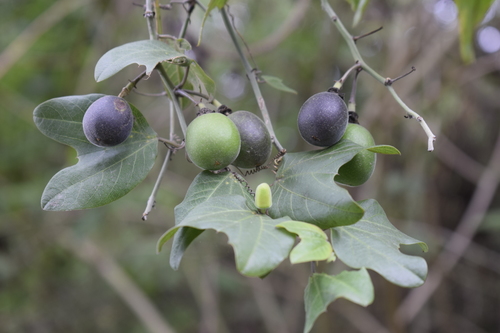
x=323 y=119
x=108 y=121
x=256 y=143
x=212 y=141
x=358 y=170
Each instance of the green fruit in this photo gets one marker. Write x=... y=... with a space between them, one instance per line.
x=323 y=119
x=108 y=121
x=256 y=143
x=358 y=170
x=212 y=141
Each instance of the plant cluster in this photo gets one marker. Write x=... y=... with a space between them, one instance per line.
x=309 y=198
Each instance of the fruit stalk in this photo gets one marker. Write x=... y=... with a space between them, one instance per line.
x=253 y=80
x=351 y=105
x=359 y=59
x=338 y=85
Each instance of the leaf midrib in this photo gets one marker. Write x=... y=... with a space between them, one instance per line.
x=81 y=181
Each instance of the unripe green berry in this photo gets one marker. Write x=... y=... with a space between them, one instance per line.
x=212 y=141
x=358 y=170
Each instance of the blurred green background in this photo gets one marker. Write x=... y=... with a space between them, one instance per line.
x=97 y=271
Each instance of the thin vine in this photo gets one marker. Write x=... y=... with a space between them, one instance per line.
x=351 y=43
x=252 y=77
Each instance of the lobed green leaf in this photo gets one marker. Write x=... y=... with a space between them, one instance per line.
x=305 y=191
x=323 y=289
x=373 y=243
x=205 y=186
x=259 y=246
x=102 y=175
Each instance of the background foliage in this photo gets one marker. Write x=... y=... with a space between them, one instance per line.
x=97 y=270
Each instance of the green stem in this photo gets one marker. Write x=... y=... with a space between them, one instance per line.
x=351 y=106
x=357 y=57
x=149 y=14
x=169 y=88
x=213 y=101
x=192 y=4
x=350 y=41
x=131 y=85
x=343 y=31
x=159 y=29
x=431 y=137
x=185 y=94
x=216 y=103
x=253 y=79
x=170 y=142
x=338 y=85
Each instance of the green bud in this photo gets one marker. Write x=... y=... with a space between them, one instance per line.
x=263 y=197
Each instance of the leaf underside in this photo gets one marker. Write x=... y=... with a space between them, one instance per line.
x=373 y=243
x=102 y=175
x=323 y=289
x=313 y=246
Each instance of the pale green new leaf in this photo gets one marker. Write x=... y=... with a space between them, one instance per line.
x=277 y=83
x=470 y=14
x=101 y=175
x=323 y=289
x=147 y=53
x=384 y=149
x=259 y=246
x=373 y=242
x=205 y=186
x=313 y=246
x=305 y=191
